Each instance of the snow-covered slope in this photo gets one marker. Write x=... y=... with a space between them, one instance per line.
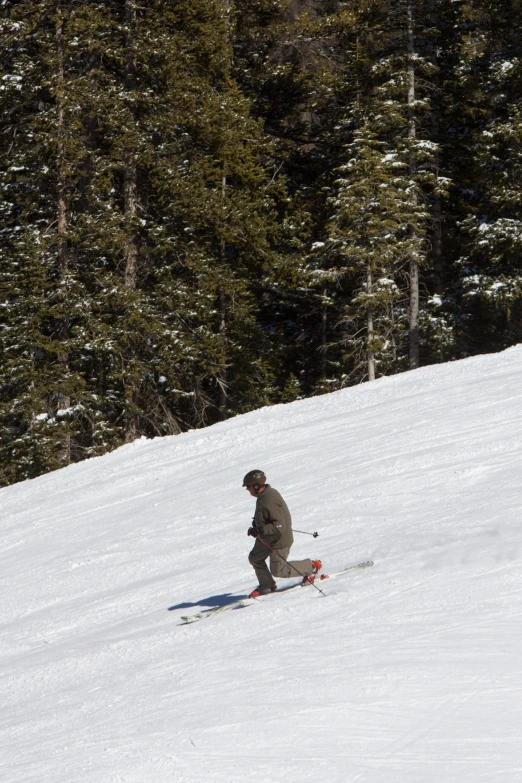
x=407 y=672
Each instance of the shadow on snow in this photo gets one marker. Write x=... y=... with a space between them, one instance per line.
x=213 y=602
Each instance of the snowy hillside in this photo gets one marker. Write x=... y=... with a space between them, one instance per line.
x=407 y=672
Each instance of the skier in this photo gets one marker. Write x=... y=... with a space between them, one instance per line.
x=272 y=527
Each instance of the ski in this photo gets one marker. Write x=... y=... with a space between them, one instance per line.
x=247 y=601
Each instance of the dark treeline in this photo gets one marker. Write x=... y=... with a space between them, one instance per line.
x=210 y=206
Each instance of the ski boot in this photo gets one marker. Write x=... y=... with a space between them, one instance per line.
x=309 y=580
x=263 y=591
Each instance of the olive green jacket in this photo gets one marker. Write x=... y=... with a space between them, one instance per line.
x=272 y=517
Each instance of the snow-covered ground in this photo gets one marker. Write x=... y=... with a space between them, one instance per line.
x=407 y=672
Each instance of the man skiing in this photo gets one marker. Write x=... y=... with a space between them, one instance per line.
x=272 y=529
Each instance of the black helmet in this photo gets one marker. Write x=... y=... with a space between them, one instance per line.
x=254 y=478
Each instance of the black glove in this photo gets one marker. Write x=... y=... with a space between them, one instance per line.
x=253 y=531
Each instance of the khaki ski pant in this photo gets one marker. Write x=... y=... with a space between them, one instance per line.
x=278 y=567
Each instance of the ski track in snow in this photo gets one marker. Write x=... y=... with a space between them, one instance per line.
x=408 y=671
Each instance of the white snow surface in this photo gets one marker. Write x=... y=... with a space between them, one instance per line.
x=407 y=672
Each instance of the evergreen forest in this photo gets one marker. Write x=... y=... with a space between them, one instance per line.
x=208 y=206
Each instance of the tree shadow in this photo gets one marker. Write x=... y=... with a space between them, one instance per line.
x=213 y=602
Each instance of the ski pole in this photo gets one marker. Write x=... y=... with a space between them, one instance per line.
x=306 y=533
x=286 y=561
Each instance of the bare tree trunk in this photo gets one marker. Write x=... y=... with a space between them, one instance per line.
x=60 y=187
x=130 y=198
x=222 y=377
x=130 y=195
x=130 y=187
x=370 y=333
x=64 y=401
x=438 y=261
x=412 y=134
x=324 y=335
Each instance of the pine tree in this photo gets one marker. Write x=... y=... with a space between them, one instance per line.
x=372 y=239
x=139 y=219
x=381 y=207
x=291 y=56
x=42 y=393
x=490 y=289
